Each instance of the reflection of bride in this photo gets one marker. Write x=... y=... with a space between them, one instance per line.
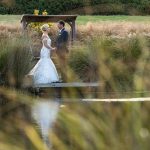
x=45 y=113
x=44 y=71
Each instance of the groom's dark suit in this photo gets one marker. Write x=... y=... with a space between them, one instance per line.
x=62 y=41
x=62 y=50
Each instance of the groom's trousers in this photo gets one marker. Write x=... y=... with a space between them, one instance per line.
x=62 y=64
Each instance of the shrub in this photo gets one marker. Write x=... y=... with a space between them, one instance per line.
x=52 y=6
x=133 y=7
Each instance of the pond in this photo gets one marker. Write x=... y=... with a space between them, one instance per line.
x=49 y=123
x=87 y=119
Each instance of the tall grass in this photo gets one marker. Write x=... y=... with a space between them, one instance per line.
x=110 y=53
x=112 y=29
x=15 y=60
x=121 y=65
x=8 y=30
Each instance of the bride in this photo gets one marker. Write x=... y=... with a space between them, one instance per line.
x=44 y=71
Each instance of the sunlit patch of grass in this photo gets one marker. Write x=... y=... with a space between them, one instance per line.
x=6 y=19
x=114 y=18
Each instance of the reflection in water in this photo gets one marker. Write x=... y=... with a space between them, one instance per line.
x=45 y=113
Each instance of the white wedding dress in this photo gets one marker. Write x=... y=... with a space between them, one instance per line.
x=44 y=71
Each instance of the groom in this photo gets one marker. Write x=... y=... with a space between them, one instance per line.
x=62 y=49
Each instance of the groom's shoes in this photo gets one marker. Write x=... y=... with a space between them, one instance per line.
x=62 y=106
x=60 y=81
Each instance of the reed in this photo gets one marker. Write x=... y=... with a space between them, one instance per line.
x=121 y=65
x=15 y=60
x=90 y=126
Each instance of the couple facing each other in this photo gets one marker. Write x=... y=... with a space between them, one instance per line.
x=44 y=71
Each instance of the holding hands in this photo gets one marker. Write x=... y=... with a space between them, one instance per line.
x=54 y=48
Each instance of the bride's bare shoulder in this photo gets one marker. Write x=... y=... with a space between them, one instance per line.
x=44 y=37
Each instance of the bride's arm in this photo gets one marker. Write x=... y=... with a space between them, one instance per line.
x=46 y=45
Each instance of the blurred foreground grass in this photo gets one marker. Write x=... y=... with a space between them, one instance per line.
x=90 y=126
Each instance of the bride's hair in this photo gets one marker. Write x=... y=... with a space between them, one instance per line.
x=44 y=27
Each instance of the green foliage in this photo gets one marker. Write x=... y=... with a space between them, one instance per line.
x=60 y=6
x=3 y=10
x=52 y=6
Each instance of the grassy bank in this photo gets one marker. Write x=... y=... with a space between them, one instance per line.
x=115 y=18
x=4 y=19
x=85 y=19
